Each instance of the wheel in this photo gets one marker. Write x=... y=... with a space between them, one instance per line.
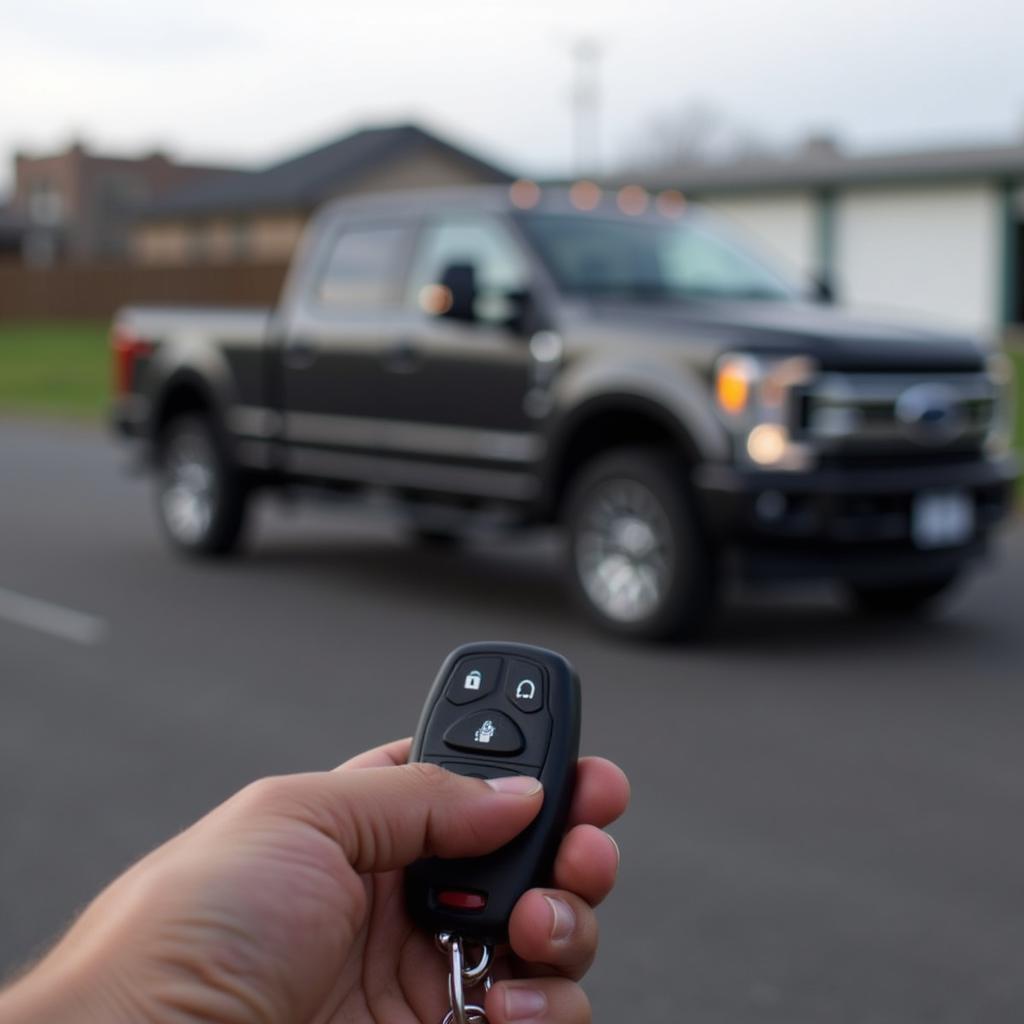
x=201 y=501
x=640 y=562
x=900 y=599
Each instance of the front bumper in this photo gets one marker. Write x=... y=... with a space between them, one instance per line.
x=847 y=523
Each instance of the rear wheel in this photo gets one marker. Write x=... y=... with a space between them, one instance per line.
x=901 y=599
x=201 y=500
x=641 y=564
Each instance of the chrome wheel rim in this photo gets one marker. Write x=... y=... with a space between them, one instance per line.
x=624 y=550
x=190 y=490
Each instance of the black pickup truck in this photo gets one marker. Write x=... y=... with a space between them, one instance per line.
x=532 y=356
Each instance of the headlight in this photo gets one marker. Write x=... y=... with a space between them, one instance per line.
x=754 y=399
x=999 y=368
x=734 y=383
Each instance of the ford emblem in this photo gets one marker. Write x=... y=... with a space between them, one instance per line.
x=931 y=412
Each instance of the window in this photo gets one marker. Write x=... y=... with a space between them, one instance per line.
x=500 y=267
x=240 y=239
x=45 y=203
x=195 y=242
x=601 y=256
x=363 y=270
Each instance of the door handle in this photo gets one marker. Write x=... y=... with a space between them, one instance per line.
x=404 y=357
x=300 y=353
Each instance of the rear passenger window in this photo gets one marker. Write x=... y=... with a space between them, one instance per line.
x=364 y=269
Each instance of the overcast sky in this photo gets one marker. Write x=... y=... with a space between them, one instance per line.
x=253 y=81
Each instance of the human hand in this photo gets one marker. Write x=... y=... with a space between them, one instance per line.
x=286 y=904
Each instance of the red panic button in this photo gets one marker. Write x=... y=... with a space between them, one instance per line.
x=457 y=900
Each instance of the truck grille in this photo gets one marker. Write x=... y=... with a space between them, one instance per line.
x=893 y=414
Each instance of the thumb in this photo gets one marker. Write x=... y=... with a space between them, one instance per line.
x=386 y=818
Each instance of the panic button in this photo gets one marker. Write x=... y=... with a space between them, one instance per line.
x=456 y=900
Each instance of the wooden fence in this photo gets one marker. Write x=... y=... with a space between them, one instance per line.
x=96 y=291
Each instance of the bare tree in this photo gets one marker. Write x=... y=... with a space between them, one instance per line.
x=699 y=132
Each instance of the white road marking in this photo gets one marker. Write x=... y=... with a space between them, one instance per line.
x=50 y=618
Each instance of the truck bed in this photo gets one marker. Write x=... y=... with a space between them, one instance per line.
x=225 y=322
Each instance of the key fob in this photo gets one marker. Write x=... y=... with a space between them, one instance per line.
x=497 y=709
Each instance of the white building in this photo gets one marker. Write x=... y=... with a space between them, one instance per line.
x=937 y=235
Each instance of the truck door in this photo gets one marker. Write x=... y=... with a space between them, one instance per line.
x=341 y=332
x=466 y=380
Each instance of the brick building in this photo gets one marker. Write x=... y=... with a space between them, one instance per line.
x=80 y=206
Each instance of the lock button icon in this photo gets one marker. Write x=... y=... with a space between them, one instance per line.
x=473 y=678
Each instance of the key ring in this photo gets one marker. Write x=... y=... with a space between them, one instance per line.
x=461 y=977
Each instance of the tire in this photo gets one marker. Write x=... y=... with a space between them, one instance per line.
x=201 y=500
x=640 y=562
x=904 y=599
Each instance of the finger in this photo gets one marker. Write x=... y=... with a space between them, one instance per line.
x=601 y=795
x=537 y=1001
x=554 y=929
x=386 y=818
x=602 y=792
x=587 y=863
x=386 y=756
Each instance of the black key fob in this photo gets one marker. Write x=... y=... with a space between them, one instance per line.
x=497 y=709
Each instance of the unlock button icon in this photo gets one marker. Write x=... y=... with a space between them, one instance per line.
x=525 y=686
x=473 y=680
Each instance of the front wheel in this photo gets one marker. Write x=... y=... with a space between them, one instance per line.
x=201 y=501
x=641 y=564
x=904 y=599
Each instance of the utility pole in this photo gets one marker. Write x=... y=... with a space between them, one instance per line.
x=585 y=99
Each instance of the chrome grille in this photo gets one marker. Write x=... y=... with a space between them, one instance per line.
x=893 y=412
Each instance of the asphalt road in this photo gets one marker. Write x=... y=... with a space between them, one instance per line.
x=828 y=814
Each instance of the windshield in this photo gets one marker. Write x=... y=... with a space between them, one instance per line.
x=594 y=255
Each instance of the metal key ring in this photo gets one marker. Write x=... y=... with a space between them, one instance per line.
x=473 y=1015
x=456 y=996
x=470 y=975
x=461 y=977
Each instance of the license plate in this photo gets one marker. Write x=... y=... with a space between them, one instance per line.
x=942 y=519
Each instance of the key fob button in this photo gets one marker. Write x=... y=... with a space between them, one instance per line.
x=480 y=771
x=525 y=686
x=472 y=679
x=486 y=732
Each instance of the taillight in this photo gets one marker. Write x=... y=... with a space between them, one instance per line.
x=127 y=347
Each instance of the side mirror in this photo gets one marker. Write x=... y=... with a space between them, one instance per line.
x=460 y=281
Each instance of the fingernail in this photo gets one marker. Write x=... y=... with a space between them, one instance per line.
x=615 y=847
x=524 y=1003
x=522 y=785
x=563 y=920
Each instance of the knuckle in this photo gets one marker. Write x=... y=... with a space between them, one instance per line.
x=430 y=775
x=266 y=795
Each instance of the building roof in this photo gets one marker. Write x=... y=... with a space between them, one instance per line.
x=826 y=169
x=308 y=179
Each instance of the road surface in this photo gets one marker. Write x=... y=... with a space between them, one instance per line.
x=828 y=815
